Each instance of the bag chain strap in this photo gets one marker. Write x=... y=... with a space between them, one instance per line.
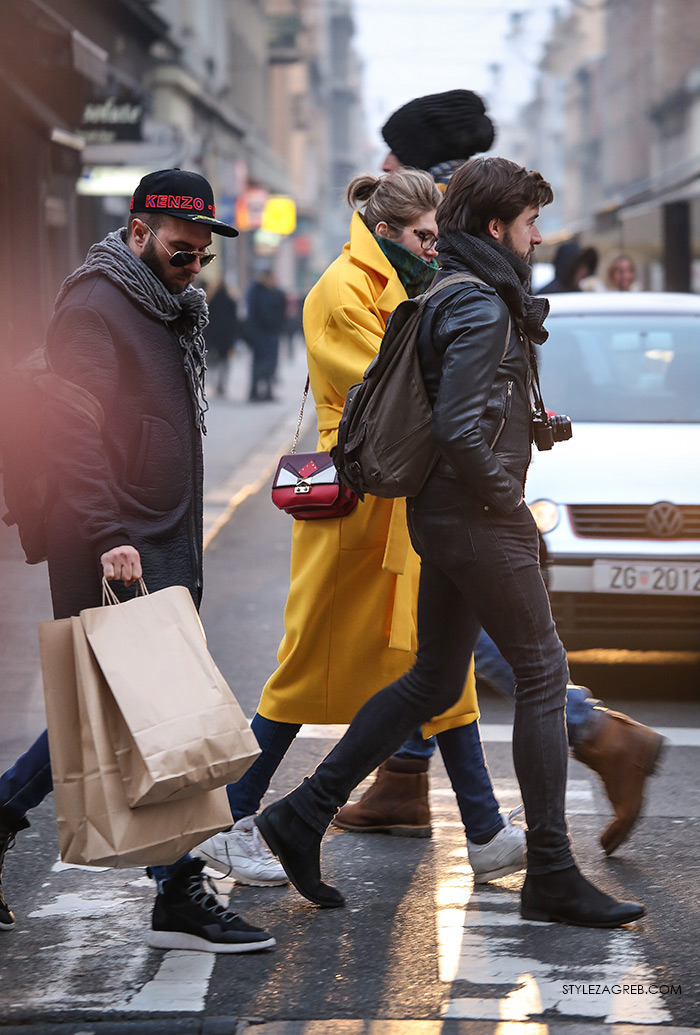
x=447 y=282
x=301 y=417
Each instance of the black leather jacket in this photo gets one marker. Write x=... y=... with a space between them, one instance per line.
x=479 y=385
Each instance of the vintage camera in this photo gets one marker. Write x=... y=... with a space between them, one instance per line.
x=548 y=430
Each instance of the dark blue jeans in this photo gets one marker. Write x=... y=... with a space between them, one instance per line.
x=479 y=569
x=462 y=752
x=275 y=739
x=26 y=783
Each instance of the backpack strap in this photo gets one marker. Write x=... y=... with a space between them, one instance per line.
x=449 y=281
x=463 y=278
x=37 y=368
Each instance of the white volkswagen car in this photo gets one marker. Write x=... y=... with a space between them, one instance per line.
x=618 y=504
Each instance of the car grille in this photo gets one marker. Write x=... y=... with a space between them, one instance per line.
x=633 y=522
x=627 y=620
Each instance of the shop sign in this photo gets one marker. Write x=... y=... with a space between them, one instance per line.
x=249 y=208
x=112 y=119
x=279 y=215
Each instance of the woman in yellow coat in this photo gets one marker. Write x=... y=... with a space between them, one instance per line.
x=350 y=614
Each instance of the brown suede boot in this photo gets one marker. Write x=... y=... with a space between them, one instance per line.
x=623 y=753
x=396 y=803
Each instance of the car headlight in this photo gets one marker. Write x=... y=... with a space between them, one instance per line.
x=546 y=514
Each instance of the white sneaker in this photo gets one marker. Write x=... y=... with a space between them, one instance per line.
x=242 y=854
x=503 y=854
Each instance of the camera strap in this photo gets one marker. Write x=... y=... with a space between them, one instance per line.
x=530 y=355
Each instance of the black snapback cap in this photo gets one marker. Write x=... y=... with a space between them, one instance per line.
x=184 y=195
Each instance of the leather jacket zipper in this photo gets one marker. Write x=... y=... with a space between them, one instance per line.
x=506 y=413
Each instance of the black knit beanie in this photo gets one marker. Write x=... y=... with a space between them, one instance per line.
x=439 y=128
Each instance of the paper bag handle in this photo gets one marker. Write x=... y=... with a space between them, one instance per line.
x=110 y=597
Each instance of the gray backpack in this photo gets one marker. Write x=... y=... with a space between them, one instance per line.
x=385 y=446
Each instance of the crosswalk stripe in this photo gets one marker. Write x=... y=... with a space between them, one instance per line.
x=502 y=733
x=580 y=800
x=181 y=981
x=180 y=985
x=483 y=940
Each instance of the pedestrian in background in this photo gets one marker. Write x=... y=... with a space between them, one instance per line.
x=266 y=308
x=437 y=133
x=479 y=553
x=128 y=328
x=621 y=273
x=350 y=614
x=293 y=326
x=220 y=335
x=572 y=264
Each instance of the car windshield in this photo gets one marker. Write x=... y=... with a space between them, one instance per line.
x=640 y=368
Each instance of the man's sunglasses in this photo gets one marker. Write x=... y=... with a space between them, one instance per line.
x=185 y=258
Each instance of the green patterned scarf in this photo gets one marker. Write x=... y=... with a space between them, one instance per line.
x=415 y=274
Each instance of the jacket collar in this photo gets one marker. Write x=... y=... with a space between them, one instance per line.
x=365 y=251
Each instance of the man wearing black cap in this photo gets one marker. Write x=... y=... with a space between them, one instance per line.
x=127 y=500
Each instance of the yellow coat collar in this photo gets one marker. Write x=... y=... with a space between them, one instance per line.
x=364 y=251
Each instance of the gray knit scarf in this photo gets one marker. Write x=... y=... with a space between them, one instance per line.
x=187 y=311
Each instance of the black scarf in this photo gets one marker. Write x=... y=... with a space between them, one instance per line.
x=503 y=270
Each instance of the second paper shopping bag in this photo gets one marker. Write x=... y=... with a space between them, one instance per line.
x=183 y=730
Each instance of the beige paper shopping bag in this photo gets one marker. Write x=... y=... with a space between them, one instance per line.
x=182 y=730
x=95 y=824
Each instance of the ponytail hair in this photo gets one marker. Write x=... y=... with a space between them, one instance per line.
x=397 y=199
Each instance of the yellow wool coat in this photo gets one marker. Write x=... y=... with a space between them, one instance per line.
x=350 y=614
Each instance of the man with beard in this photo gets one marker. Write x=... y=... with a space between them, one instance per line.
x=438 y=133
x=479 y=551
x=127 y=500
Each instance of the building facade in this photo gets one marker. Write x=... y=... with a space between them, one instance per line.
x=615 y=125
x=261 y=96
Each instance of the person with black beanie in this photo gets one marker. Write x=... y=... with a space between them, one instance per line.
x=572 y=263
x=438 y=133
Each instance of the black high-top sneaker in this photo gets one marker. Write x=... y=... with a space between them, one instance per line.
x=8 y=830
x=188 y=915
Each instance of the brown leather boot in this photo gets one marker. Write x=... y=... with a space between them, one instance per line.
x=623 y=753
x=396 y=803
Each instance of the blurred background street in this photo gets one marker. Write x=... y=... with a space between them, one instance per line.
x=280 y=103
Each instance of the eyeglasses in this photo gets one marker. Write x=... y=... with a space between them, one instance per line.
x=427 y=238
x=180 y=259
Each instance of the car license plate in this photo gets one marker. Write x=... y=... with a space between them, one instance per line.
x=654 y=578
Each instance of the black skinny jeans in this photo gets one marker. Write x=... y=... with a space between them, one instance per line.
x=479 y=568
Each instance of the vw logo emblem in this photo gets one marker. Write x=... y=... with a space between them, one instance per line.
x=664 y=520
